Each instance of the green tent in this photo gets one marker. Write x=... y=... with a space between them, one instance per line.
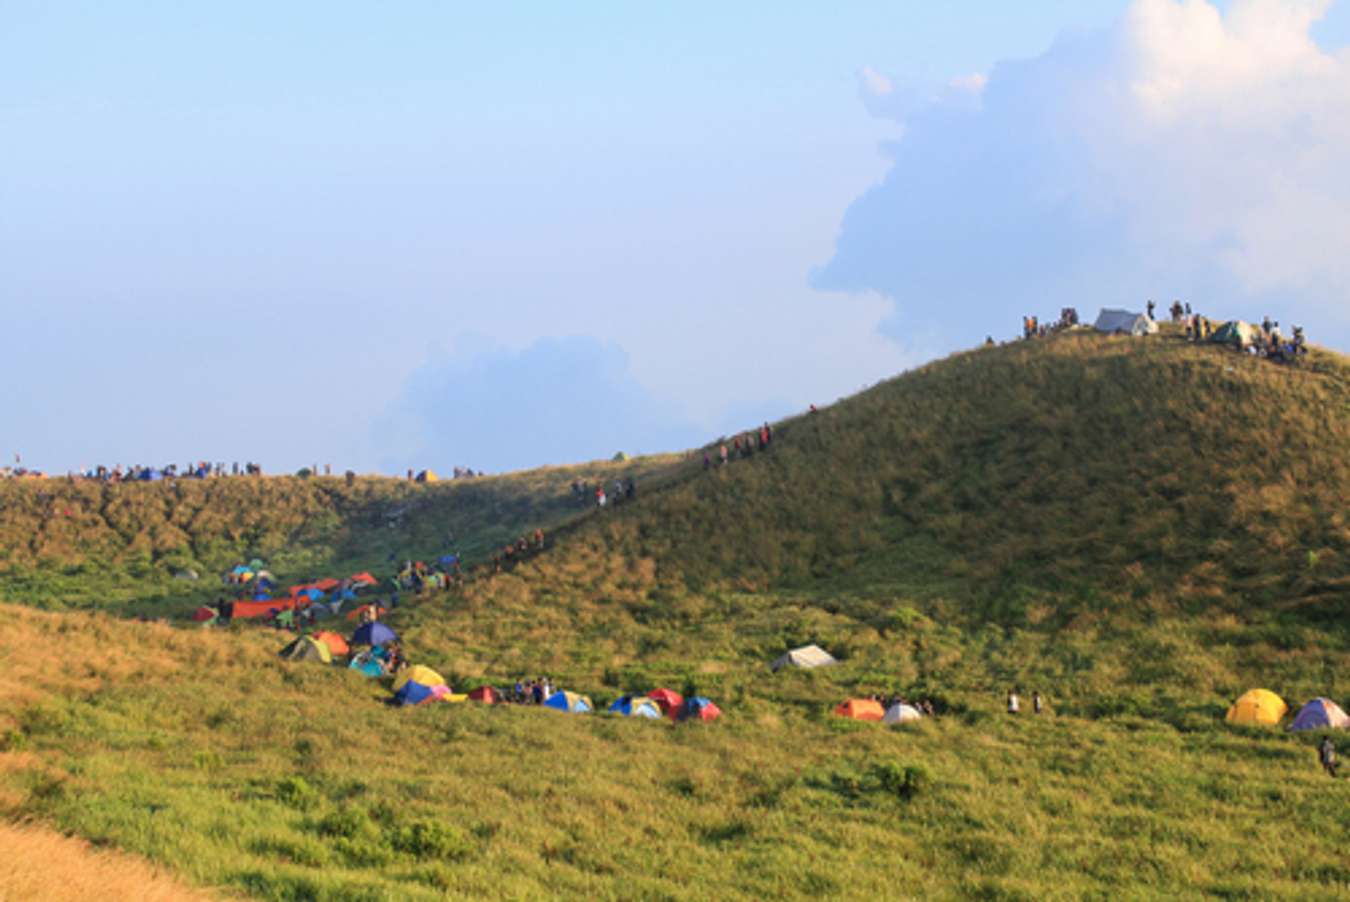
x=1235 y=332
x=307 y=648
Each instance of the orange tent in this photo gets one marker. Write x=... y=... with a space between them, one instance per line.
x=486 y=694
x=243 y=610
x=297 y=589
x=336 y=644
x=379 y=611
x=365 y=577
x=861 y=709
x=326 y=585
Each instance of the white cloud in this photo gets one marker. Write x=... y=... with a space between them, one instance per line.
x=874 y=83
x=1183 y=152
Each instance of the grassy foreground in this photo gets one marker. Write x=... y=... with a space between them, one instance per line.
x=205 y=754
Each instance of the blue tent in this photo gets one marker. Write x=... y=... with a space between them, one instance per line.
x=311 y=593
x=375 y=633
x=568 y=701
x=412 y=694
x=640 y=706
x=448 y=560
x=367 y=665
x=152 y=476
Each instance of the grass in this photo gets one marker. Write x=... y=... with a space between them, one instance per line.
x=1140 y=530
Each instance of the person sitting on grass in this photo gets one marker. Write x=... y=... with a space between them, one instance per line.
x=1014 y=703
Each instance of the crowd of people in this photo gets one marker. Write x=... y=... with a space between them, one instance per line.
x=744 y=445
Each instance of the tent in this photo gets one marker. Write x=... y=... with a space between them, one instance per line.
x=1235 y=332
x=203 y=614
x=239 y=570
x=487 y=695
x=1118 y=322
x=307 y=648
x=807 y=656
x=668 y=700
x=367 y=665
x=372 y=634
x=243 y=610
x=428 y=476
x=336 y=644
x=378 y=611
x=365 y=578
x=861 y=709
x=699 y=708
x=419 y=673
x=448 y=560
x=1321 y=714
x=413 y=693
x=630 y=706
x=900 y=713
x=1257 y=706
x=569 y=701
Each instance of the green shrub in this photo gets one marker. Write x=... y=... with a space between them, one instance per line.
x=425 y=839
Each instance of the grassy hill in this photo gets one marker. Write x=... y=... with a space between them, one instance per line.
x=85 y=544
x=1138 y=529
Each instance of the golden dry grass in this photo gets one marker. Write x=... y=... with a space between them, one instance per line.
x=41 y=864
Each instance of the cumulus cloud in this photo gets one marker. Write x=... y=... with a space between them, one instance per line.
x=1184 y=152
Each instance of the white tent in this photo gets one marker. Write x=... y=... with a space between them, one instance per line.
x=807 y=656
x=1124 y=322
x=899 y=713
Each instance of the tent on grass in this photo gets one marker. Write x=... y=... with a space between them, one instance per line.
x=244 y=610
x=1321 y=714
x=1123 y=322
x=569 y=701
x=307 y=648
x=1257 y=706
x=805 y=657
x=413 y=693
x=636 y=706
x=204 y=614
x=367 y=664
x=375 y=609
x=428 y=476
x=668 y=700
x=365 y=578
x=419 y=673
x=899 y=713
x=487 y=695
x=699 y=708
x=861 y=709
x=374 y=634
x=336 y=644
x=1236 y=333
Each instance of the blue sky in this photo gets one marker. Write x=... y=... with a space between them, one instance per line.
x=500 y=237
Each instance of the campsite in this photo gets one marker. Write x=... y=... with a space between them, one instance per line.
x=735 y=702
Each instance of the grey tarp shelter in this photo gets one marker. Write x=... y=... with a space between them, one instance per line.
x=1124 y=322
x=807 y=656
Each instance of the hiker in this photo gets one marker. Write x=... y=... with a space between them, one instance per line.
x=723 y=452
x=630 y=491
x=600 y=496
x=707 y=461
x=764 y=436
x=1014 y=703
x=538 y=540
x=1036 y=703
x=1326 y=754
x=1151 y=307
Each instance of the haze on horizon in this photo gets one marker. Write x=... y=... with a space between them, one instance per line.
x=436 y=236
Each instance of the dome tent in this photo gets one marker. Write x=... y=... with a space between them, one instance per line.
x=1257 y=706
x=1321 y=714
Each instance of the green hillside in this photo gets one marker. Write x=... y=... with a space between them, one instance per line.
x=67 y=544
x=1138 y=529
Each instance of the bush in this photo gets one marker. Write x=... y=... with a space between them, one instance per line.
x=902 y=782
x=430 y=840
x=295 y=792
x=348 y=822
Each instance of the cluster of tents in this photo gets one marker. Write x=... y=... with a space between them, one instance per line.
x=1262 y=707
x=324 y=597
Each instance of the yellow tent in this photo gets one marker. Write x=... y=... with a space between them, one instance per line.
x=1258 y=706
x=418 y=673
x=428 y=476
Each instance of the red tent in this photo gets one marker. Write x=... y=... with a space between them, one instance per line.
x=706 y=711
x=487 y=695
x=668 y=700
x=365 y=577
x=326 y=585
x=203 y=614
x=297 y=589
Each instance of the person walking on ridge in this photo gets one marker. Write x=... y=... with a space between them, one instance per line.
x=1326 y=754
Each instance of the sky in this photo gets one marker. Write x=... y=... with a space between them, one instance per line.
x=436 y=235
